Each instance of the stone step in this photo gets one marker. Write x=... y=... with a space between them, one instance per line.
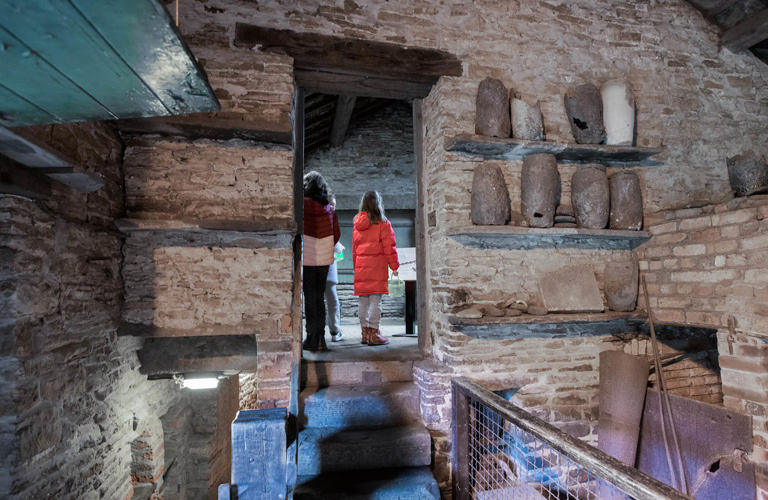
x=326 y=373
x=347 y=406
x=416 y=483
x=330 y=450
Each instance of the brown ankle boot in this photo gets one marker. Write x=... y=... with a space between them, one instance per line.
x=364 y=334
x=375 y=338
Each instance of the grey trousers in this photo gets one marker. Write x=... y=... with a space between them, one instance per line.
x=333 y=307
x=369 y=310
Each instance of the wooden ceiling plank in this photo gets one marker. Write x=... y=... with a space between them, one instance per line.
x=747 y=33
x=36 y=81
x=59 y=34
x=313 y=51
x=343 y=113
x=15 y=111
x=145 y=37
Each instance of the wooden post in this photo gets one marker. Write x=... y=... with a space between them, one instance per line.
x=460 y=466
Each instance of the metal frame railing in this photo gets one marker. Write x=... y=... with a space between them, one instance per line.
x=501 y=451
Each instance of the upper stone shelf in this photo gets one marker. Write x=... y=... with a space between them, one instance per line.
x=526 y=238
x=498 y=148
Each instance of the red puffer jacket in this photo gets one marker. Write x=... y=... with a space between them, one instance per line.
x=373 y=250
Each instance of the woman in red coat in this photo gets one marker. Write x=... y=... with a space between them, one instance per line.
x=373 y=253
x=321 y=233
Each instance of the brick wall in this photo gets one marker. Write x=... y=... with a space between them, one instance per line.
x=704 y=266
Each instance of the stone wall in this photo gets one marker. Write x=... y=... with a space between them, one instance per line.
x=212 y=250
x=696 y=103
x=208 y=180
x=73 y=383
x=377 y=154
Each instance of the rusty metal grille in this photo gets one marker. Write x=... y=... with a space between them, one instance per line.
x=507 y=462
x=502 y=452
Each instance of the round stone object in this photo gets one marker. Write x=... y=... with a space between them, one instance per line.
x=584 y=108
x=490 y=198
x=590 y=195
x=539 y=189
x=626 y=201
x=492 y=109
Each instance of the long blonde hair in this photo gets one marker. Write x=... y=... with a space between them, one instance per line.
x=372 y=205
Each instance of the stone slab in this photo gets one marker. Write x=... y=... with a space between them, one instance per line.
x=359 y=406
x=324 y=374
x=413 y=483
x=516 y=149
x=525 y=238
x=259 y=453
x=571 y=289
x=333 y=449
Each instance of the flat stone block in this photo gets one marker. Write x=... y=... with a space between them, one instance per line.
x=328 y=449
x=359 y=406
x=259 y=452
x=571 y=289
x=413 y=483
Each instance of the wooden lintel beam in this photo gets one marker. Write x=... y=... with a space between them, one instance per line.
x=361 y=85
x=311 y=51
x=344 y=107
x=209 y=128
x=747 y=33
x=183 y=355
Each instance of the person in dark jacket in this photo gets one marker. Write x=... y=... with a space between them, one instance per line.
x=321 y=233
x=374 y=252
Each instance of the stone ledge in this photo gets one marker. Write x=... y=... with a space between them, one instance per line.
x=549 y=326
x=526 y=238
x=218 y=233
x=498 y=148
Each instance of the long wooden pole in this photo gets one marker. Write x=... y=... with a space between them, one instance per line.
x=664 y=402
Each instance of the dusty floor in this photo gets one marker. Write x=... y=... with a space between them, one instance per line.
x=400 y=347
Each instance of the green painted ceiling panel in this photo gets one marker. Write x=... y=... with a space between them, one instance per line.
x=57 y=32
x=32 y=78
x=22 y=111
x=77 y=60
x=146 y=40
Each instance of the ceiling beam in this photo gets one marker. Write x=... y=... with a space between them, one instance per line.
x=345 y=104
x=219 y=126
x=747 y=33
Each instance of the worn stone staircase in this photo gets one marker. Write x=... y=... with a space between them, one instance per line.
x=361 y=435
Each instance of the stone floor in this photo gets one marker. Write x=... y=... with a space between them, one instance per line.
x=400 y=347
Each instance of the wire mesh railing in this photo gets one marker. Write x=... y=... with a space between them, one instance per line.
x=503 y=452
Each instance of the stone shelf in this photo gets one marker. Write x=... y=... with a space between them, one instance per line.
x=213 y=233
x=549 y=326
x=527 y=238
x=497 y=148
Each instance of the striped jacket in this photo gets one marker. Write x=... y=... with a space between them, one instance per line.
x=321 y=232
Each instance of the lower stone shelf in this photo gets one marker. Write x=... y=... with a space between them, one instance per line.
x=525 y=238
x=549 y=326
x=241 y=234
